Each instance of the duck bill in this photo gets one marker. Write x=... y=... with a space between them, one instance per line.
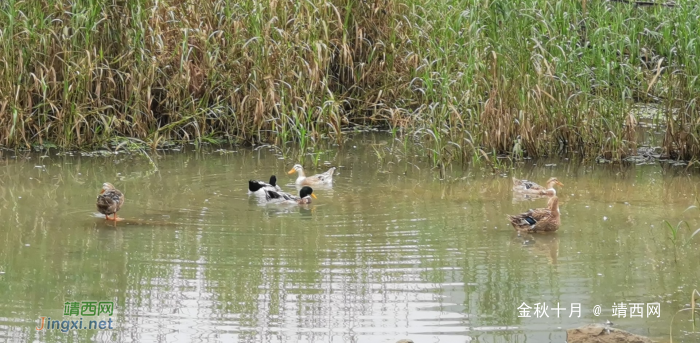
x=291 y=171
x=314 y=195
x=102 y=191
x=560 y=184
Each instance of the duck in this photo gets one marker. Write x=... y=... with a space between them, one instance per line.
x=110 y=201
x=318 y=179
x=279 y=197
x=529 y=187
x=273 y=186
x=538 y=220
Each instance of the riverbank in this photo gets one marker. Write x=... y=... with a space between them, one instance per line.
x=466 y=79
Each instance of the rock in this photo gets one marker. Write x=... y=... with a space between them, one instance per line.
x=596 y=333
x=404 y=341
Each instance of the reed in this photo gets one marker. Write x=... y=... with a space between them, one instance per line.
x=694 y=297
x=469 y=78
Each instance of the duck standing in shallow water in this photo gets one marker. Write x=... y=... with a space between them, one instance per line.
x=538 y=220
x=315 y=180
x=264 y=186
x=529 y=187
x=277 y=197
x=110 y=201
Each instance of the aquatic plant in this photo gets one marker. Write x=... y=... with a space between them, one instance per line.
x=674 y=229
x=693 y=303
x=521 y=78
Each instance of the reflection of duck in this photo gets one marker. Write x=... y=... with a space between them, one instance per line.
x=318 y=179
x=529 y=187
x=303 y=211
x=277 y=197
x=110 y=200
x=543 y=245
x=539 y=219
x=273 y=186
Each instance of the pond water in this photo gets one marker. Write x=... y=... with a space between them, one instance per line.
x=390 y=251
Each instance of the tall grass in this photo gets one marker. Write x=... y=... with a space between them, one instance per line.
x=468 y=78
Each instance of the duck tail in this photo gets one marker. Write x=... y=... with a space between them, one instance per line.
x=254 y=185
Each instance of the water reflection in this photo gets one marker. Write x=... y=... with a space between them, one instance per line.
x=388 y=252
x=542 y=245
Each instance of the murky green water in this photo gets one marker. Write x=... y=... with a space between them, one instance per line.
x=389 y=252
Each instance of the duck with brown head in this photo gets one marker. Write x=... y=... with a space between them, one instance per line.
x=315 y=180
x=110 y=201
x=538 y=220
x=529 y=187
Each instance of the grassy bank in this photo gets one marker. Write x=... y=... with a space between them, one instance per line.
x=466 y=78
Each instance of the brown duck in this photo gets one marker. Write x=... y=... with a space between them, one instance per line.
x=314 y=180
x=529 y=187
x=539 y=219
x=110 y=201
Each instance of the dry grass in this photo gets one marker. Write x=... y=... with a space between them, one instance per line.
x=469 y=78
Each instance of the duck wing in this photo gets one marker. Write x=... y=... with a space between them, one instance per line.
x=526 y=186
x=275 y=196
x=326 y=177
x=110 y=201
x=530 y=217
x=530 y=185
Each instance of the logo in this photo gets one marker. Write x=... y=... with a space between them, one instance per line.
x=96 y=310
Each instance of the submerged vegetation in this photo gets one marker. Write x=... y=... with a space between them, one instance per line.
x=469 y=79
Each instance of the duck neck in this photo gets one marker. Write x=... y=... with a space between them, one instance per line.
x=554 y=206
x=300 y=179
